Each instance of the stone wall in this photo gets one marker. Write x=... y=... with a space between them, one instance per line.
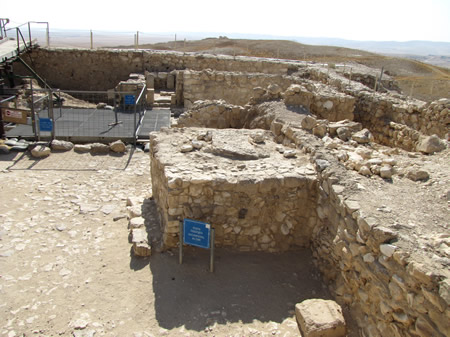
x=255 y=197
x=233 y=87
x=85 y=69
x=375 y=109
x=390 y=293
x=401 y=123
x=242 y=88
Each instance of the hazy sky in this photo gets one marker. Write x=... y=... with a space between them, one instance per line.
x=399 y=20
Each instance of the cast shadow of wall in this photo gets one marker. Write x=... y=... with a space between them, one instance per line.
x=243 y=288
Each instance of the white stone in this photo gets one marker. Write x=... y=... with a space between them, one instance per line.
x=386 y=172
x=196 y=144
x=362 y=137
x=387 y=249
x=320 y=318
x=61 y=145
x=40 y=151
x=328 y=105
x=284 y=229
x=289 y=153
x=186 y=148
x=118 y=147
x=430 y=145
x=81 y=148
x=137 y=222
x=368 y=258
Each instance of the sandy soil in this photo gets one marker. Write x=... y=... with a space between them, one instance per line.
x=66 y=268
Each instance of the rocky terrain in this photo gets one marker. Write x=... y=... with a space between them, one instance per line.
x=67 y=269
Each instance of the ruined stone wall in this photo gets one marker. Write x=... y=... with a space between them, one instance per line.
x=361 y=254
x=389 y=293
x=104 y=69
x=84 y=69
x=376 y=110
x=253 y=205
x=233 y=87
x=399 y=122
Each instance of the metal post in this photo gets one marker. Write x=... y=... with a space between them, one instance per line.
x=137 y=40
x=18 y=41
x=60 y=103
x=381 y=74
x=412 y=89
x=135 y=125
x=211 y=258
x=33 y=117
x=92 y=40
x=180 y=250
x=2 y=129
x=50 y=113
x=29 y=31
x=48 y=36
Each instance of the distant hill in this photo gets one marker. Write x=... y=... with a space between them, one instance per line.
x=422 y=48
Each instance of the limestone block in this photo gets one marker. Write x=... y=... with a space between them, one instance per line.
x=139 y=238
x=134 y=211
x=150 y=97
x=431 y=145
x=40 y=151
x=136 y=222
x=81 y=148
x=344 y=133
x=98 y=148
x=362 y=137
x=386 y=172
x=320 y=318
x=416 y=174
x=308 y=123
x=61 y=145
x=118 y=146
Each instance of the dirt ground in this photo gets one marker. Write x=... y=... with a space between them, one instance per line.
x=66 y=268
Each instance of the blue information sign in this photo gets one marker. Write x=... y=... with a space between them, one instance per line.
x=130 y=100
x=45 y=124
x=196 y=233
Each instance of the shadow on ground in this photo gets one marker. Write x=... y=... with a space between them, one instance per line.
x=244 y=287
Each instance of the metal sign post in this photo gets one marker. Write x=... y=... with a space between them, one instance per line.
x=198 y=234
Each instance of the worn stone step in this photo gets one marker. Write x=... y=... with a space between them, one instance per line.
x=164 y=99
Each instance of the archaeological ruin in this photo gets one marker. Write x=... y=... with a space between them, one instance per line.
x=278 y=155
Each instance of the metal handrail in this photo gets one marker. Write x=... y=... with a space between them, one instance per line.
x=7 y=99
x=29 y=31
x=141 y=93
x=3 y=23
x=18 y=32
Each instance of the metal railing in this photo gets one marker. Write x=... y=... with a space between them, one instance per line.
x=19 y=34
x=3 y=23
